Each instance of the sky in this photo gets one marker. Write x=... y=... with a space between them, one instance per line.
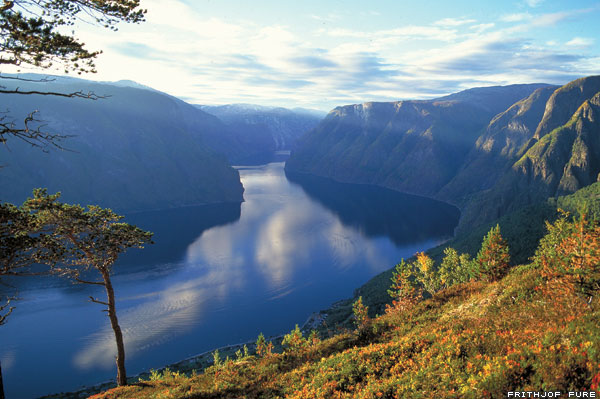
x=321 y=54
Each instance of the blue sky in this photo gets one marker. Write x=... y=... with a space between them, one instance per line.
x=320 y=54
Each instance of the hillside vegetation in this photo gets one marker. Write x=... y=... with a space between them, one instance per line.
x=465 y=327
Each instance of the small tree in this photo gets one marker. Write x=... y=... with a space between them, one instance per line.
x=456 y=269
x=91 y=240
x=262 y=347
x=493 y=257
x=425 y=273
x=360 y=313
x=405 y=295
x=569 y=255
x=294 y=341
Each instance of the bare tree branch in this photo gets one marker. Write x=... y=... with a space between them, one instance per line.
x=88 y=282
x=34 y=136
x=98 y=301
x=42 y=80
x=8 y=312
x=78 y=94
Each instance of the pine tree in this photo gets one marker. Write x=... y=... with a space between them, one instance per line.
x=361 y=313
x=405 y=295
x=493 y=258
x=569 y=255
x=91 y=240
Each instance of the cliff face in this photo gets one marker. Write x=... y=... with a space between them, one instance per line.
x=562 y=156
x=136 y=149
x=417 y=147
x=500 y=145
x=465 y=148
x=412 y=146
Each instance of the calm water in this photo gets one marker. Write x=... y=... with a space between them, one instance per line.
x=218 y=275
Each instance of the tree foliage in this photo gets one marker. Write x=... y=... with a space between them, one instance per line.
x=403 y=290
x=569 y=255
x=361 y=313
x=426 y=273
x=263 y=348
x=493 y=257
x=294 y=342
x=89 y=240
x=456 y=269
x=32 y=32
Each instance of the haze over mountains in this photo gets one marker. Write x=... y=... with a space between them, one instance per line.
x=487 y=150
x=136 y=149
x=278 y=128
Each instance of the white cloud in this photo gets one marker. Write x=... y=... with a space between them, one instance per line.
x=482 y=27
x=580 y=42
x=402 y=33
x=533 y=3
x=550 y=19
x=209 y=60
x=454 y=21
x=516 y=17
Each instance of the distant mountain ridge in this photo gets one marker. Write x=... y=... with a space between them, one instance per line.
x=136 y=149
x=486 y=150
x=278 y=128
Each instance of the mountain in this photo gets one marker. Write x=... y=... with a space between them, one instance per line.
x=416 y=147
x=135 y=149
x=487 y=150
x=278 y=128
x=562 y=156
x=498 y=147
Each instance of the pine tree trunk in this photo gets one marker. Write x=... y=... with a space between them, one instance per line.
x=1 y=384
x=112 y=315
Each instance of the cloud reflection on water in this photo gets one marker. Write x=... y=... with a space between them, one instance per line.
x=280 y=241
x=147 y=325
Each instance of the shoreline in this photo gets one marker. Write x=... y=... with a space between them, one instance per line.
x=196 y=362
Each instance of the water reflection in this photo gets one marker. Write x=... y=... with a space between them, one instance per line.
x=380 y=212
x=174 y=230
x=156 y=321
x=219 y=275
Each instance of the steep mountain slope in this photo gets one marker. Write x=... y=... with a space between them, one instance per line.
x=412 y=146
x=562 y=156
x=277 y=128
x=487 y=150
x=136 y=149
x=498 y=147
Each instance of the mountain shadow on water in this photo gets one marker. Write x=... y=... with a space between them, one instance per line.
x=378 y=211
x=174 y=230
